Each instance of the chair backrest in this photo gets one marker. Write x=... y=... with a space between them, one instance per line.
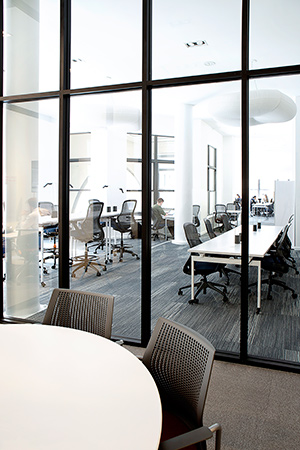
x=226 y=222
x=126 y=217
x=91 y=224
x=231 y=207
x=86 y=311
x=196 y=212
x=219 y=210
x=180 y=361
x=46 y=205
x=209 y=228
x=191 y=234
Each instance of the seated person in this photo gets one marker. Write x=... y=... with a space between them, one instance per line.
x=238 y=201
x=252 y=202
x=170 y=223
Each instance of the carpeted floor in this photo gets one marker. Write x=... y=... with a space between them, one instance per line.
x=257 y=408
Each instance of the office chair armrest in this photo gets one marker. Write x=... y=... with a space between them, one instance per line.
x=189 y=438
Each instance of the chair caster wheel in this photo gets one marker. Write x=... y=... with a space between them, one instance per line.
x=193 y=301
x=269 y=297
x=73 y=275
x=137 y=257
x=53 y=267
x=294 y=295
x=257 y=310
x=225 y=299
x=180 y=292
x=43 y=284
x=104 y=269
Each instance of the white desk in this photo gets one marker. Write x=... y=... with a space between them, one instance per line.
x=222 y=249
x=67 y=389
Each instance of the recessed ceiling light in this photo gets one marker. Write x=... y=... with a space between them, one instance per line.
x=209 y=63
x=195 y=43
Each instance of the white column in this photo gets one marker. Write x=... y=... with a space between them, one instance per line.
x=21 y=147
x=183 y=170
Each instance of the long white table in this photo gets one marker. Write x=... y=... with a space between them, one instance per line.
x=223 y=249
x=64 y=389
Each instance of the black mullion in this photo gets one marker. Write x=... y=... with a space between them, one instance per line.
x=64 y=150
x=245 y=181
x=146 y=175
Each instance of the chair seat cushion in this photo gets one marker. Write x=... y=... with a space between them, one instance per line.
x=200 y=268
x=172 y=426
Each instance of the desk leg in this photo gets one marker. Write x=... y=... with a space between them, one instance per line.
x=258 y=287
x=192 y=279
x=166 y=229
x=41 y=233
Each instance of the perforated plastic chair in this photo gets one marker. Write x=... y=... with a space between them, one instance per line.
x=180 y=361
x=86 y=311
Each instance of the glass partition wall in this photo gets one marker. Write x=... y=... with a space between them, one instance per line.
x=118 y=102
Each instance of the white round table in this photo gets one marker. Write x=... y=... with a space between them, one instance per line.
x=67 y=389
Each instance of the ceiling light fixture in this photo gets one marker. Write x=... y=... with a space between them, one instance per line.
x=195 y=43
x=209 y=63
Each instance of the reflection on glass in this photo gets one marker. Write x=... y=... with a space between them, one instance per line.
x=31 y=46
x=105 y=168
x=273 y=179
x=30 y=204
x=194 y=118
x=195 y=37
x=274 y=45
x=106 y=36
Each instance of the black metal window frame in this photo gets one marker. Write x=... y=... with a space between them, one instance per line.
x=155 y=161
x=211 y=171
x=146 y=86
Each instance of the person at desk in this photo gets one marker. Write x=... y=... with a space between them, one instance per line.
x=159 y=209
x=238 y=201
x=265 y=199
x=252 y=202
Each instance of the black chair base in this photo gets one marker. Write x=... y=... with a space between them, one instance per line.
x=274 y=281
x=203 y=285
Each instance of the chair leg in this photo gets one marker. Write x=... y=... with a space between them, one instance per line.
x=121 y=248
x=205 y=284
x=87 y=262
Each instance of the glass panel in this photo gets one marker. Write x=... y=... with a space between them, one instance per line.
x=101 y=126
x=202 y=112
x=106 y=42
x=31 y=46
x=195 y=37
x=274 y=33
x=30 y=193
x=274 y=166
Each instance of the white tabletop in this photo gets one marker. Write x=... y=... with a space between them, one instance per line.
x=224 y=244
x=67 y=389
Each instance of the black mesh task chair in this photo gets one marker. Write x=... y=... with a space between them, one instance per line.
x=89 y=231
x=231 y=209
x=200 y=268
x=226 y=222
x=86 y=311
x=125 y=223
x=196 y=212
x=180 y=361
x=50 y=232
x=224 y=269
x=276 y=264
x=219 y=210
x=209 y=228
